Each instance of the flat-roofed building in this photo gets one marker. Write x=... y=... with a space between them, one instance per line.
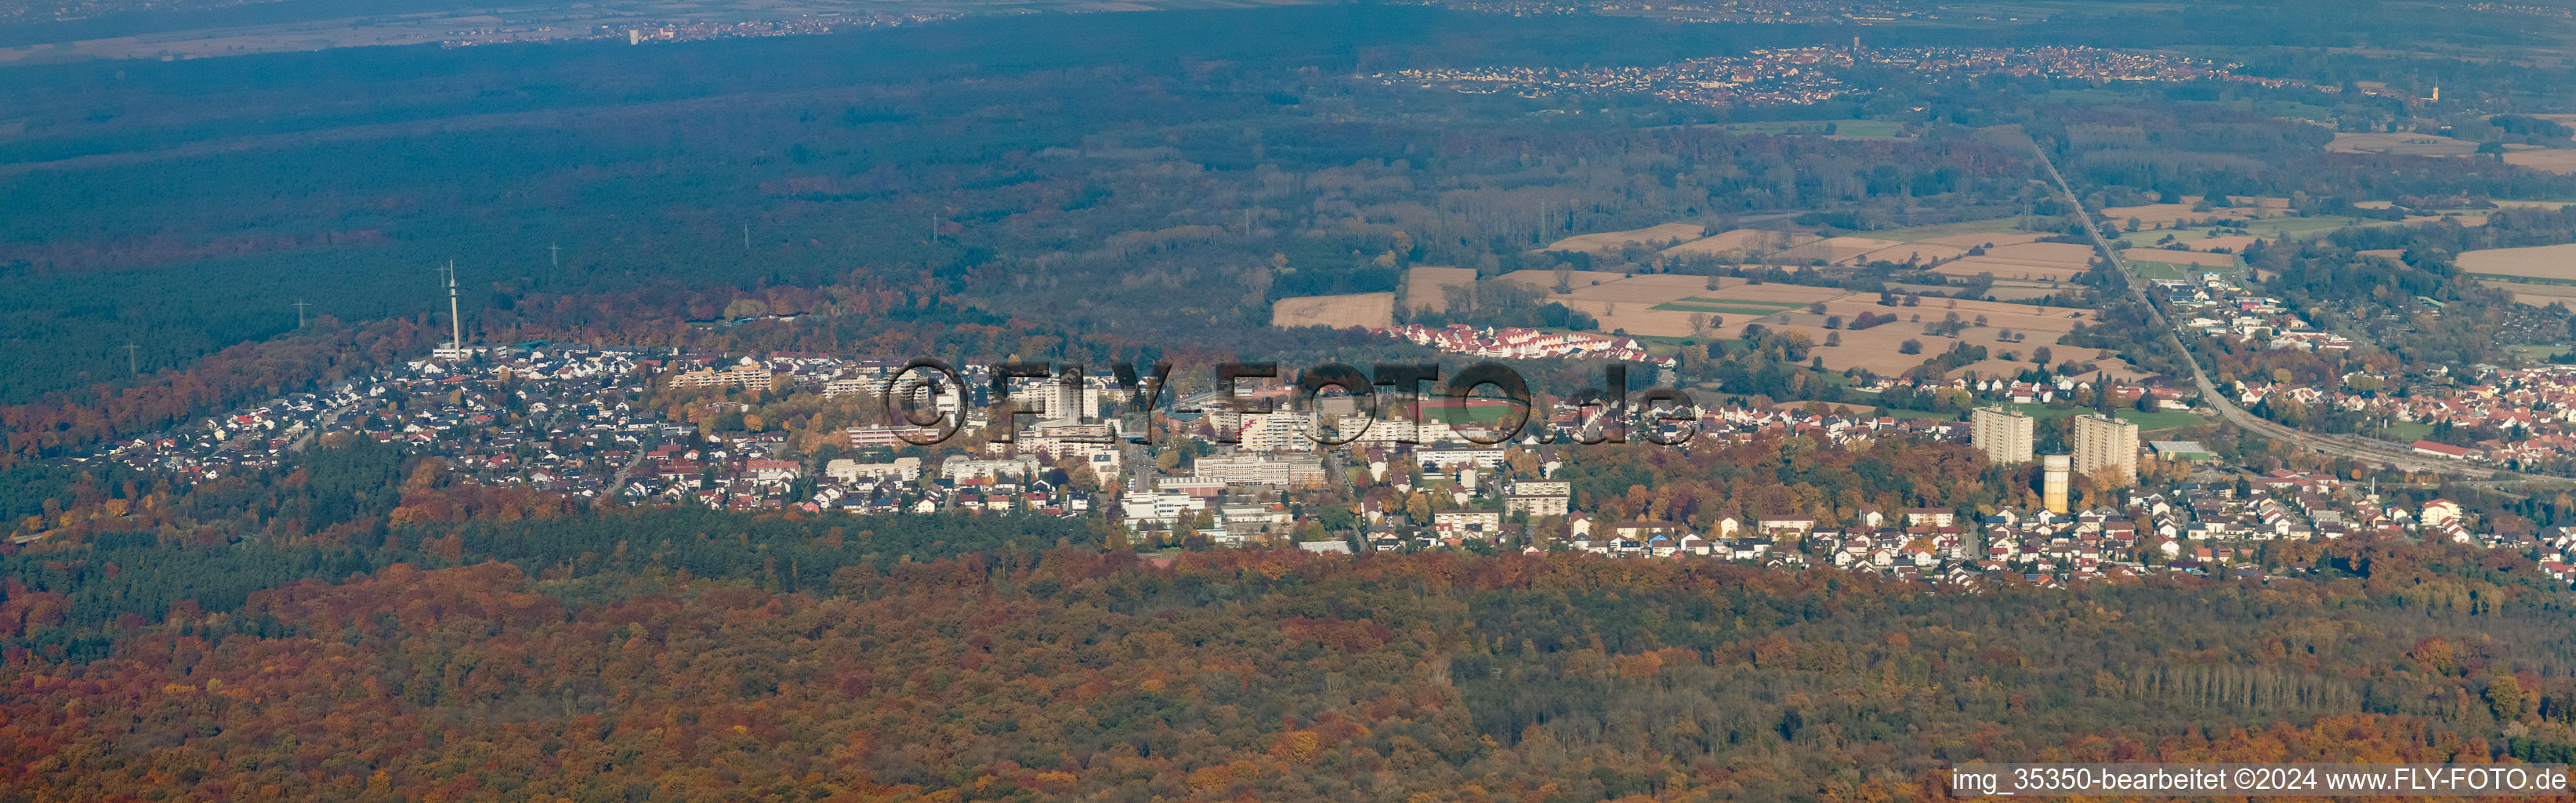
x=2106 y=447
x=2004 y=435
x=1538 y=498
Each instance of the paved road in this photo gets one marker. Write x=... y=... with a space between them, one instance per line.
x=321 y=423
x=2369 y=450
x=609 y=493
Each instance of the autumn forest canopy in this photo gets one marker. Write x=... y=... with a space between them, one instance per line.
x=1064 y=674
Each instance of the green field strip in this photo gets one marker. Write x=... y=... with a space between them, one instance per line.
x=2512 y=279
x=1754 y=311
x=1743 y=303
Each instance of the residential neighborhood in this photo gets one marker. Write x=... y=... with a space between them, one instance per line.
x=598 y=424
x=1807 y=76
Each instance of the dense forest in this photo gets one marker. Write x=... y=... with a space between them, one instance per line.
x=1066 y=675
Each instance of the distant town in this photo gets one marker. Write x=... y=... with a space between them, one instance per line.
x=653 y=427
x=1810 y=75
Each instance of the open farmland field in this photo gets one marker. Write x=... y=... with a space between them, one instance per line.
x=1832 y=250
x=1609 y=242
x=1422 y=285
x=1545 y=280
x=1979 y=239
x=2014 y=291
x=1357 y=309
x=1942 y=232
x=2537 y=294
x=1876 y=348
x=2166 y=215
x=1654 y=288
x=1741 y=242
x=1662 y=305
x=1798 y=294
x=2055 y=262
x=2043 y=324
x=2550 y=262
x=2108 y=361
x=1638 y=304
x=2553 y=160
x=1919 y=253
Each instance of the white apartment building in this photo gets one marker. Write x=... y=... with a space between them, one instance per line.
x=2106 y=445
x=2004 y=435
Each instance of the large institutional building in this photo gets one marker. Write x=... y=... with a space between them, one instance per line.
x=2004 y=435
x=2104 y=443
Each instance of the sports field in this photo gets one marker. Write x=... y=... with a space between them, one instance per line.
x=2164 y=271
x=2537 y=352
x=2159 y=265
